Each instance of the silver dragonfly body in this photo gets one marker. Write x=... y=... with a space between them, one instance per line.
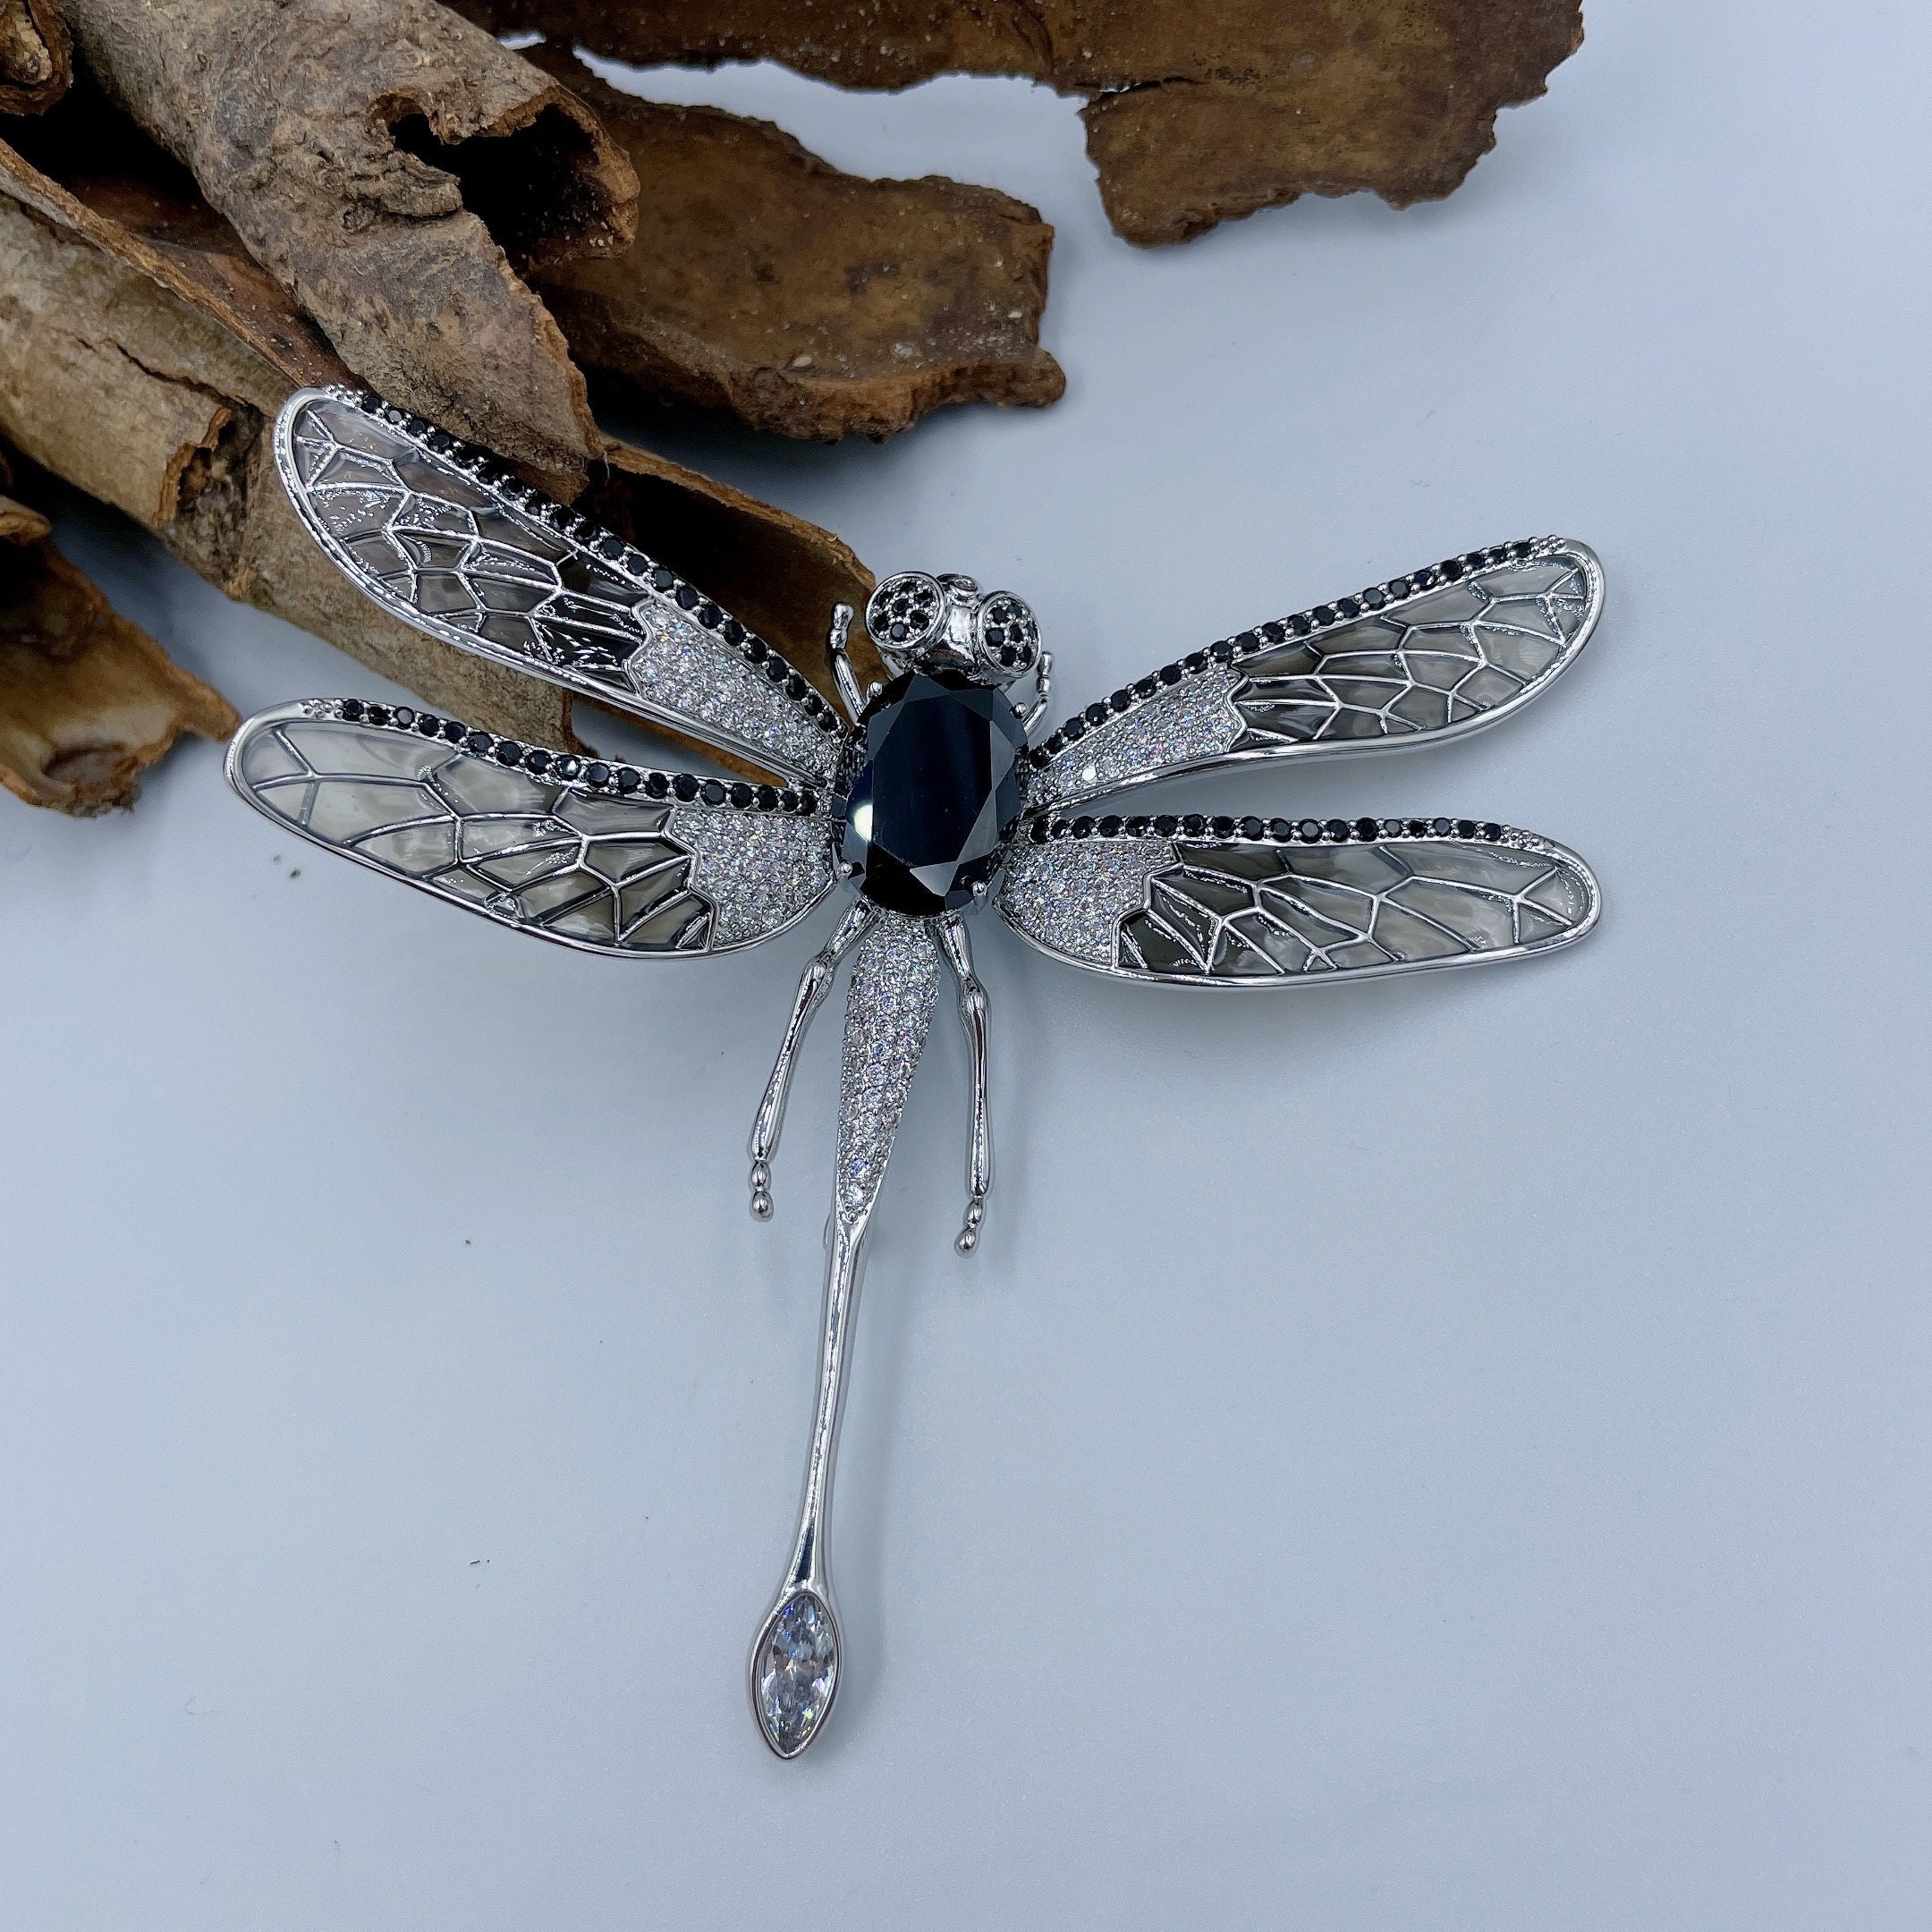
x=928 y=796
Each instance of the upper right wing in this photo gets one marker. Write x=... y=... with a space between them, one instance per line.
x=441 y=536
x=605 y=858
x=1447 y=650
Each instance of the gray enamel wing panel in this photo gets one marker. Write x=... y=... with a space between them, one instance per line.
x=633 y=877
x=439 y=537
x=1393 y=666
x=1240 y=913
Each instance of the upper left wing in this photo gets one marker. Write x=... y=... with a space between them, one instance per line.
x=441 y=537
x=1194 y=901
x=607 y=858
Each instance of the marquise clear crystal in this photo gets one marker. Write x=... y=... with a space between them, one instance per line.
x=794 y=1672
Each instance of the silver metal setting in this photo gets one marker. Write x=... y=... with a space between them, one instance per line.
x=636 y=863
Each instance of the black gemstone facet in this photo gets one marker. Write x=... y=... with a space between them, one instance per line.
x=937 y=777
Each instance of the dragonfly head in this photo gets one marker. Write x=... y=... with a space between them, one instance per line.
x=946 y=623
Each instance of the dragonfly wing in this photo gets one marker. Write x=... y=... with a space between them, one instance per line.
x=1224 y=909
x=1447 y=650
x=608 y=866
x=440 y=536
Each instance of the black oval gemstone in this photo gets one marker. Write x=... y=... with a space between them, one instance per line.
x=1194 y=825
x=1280 y=831
x=1166 y=824
x=597 y=773
x=351 y=708
x=938 y=776
x=685 y=786
x=453 y=731
x=1083 y=826
x=1366 y=828
x=1110 y=826
x=1252 y=828
x=1223 y=827
x=712 y=792
x=1309 y=830
x=1337 y=829
x=741 y=794
x=1465 y=828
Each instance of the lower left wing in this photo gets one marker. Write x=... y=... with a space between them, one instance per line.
x=608 y=858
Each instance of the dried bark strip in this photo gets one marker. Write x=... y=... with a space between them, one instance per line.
x=87 y=700
x=805 y=300
x=36 y=57
x=1197 y=111
x=394 y=169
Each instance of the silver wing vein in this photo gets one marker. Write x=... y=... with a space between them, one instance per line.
x=440 y=539
x=630 y=876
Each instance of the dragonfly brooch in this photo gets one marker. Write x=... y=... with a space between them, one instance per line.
x=927 y=795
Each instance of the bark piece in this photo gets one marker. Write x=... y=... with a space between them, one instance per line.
x=109 y=378
x=1197 y=111
x=87 y=700
x=394 y=168
x=805 y=300
x=36 y=57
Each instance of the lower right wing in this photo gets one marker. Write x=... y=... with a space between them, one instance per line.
x=1194 y=901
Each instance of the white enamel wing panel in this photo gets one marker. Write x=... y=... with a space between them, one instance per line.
x=441 y=537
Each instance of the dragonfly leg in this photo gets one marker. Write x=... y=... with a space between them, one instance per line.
x=842 y=674
x=814 y=984
x=1042 y=693
x=972 y=998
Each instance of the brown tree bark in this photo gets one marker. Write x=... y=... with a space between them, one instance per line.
x=36 y=57
x=1197 y=111
x=394 y=169
x=802 y=300
x=87 y=700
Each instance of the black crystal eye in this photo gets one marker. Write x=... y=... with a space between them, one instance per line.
x=905 y=610
x=1008 y=636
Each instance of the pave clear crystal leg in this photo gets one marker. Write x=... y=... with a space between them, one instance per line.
x=972 y=1005
x=814 y=984
x=795 y=1657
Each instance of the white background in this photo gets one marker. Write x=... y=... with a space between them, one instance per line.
x=1448 y=1452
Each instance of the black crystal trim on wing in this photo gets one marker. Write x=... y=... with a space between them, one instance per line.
x=561 y=768
x=1197 y=829
x=928 y=790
